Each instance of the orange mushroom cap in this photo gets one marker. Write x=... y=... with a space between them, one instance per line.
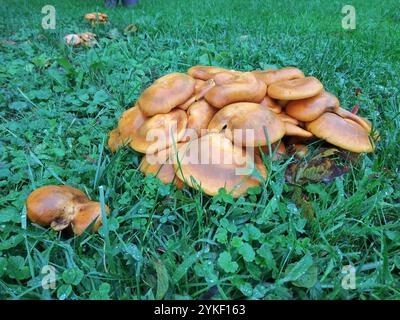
x=295 y=89
x=271 y=104
x=300 y=150
x=240 y=117
x=272 y=76
x=294 y=130
x=161 y=165
x=61 y=206
x=311 y=108
x=241 y=88
x=150 y=134
x=200 y=114
x=166 y=93
x=340 y=132
x=204 y=72
x=214 y=162
x=87 y=213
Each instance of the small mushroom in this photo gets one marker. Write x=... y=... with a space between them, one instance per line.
x=272 y=76
x=72 y=40
x=150 y=134
x=63 y=206
x=166 y=93
x=340 y=132
x=204 y=72
x=213 y=162
x=295 y=89
x=161 y=165
x=237 y=118
x=241 y=88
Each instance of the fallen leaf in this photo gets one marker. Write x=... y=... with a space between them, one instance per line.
x=320 y=168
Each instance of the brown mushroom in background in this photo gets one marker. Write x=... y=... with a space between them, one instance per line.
x=251 y=116
x=204 y=72
x=62 y=206
x=93 y=17
x=161 y=165
x=166 y=93
x=340 y=132
x=150 y=134
x=241 y=88
x=295 y=89
x=214 y=162
x=272 y=76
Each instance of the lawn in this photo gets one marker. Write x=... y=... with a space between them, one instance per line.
x=57 y=105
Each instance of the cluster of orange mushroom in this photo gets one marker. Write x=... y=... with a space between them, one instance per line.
x=62 y=207
x=188 y=125
x=96 y=17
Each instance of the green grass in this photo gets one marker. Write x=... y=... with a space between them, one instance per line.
x=58 y=104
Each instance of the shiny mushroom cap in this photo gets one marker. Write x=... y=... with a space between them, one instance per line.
x=150 y=134
x=246 y=123
x=295 y=89
x=85 y=215
x=272 y=76
x=166 y=93
x=310 y=109
x=161 y=165
x=241 y=88
x=204 y=72
x=213 y=162
x=72 y=40
x=60 y=207
x=340 y=132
